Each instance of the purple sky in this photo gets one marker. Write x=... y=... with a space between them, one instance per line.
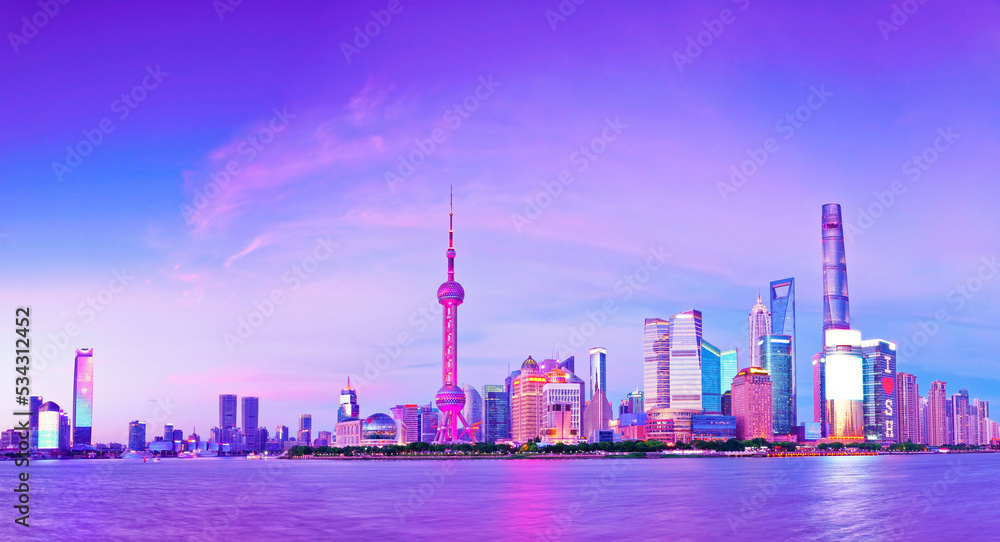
x=318 y=170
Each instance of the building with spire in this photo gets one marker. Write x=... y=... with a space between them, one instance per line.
x=450 y=399
x=348 y=408
x=759 y=324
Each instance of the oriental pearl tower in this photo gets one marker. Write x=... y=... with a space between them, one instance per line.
x=450 y=398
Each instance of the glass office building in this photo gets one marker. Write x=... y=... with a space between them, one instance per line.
x=783 y=322
x=685 y=361
x=656 y=363
x=836 y=309
x=881 y=412
x=711 y=378
x=83 y=397
x=598 y=371
x=844 y=384
x=729 y=363
x=776 y=358
x=496 y=413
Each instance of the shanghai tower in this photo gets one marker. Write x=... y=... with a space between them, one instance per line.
x=836 y=311
x=450 y=398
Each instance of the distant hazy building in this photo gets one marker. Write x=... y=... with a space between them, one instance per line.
x=775 y=354
x=729 y=365
x=937 y=422
x=324 y=438
x=752 y=404
x=960 y=417
x=83 y=397
x=711 y=378
x=281 y=435
x=34 y=407
x=656 y=363
x=408 y=418
x=429 y=417
x=880 y=407
x=305 y=428
x=473 y=410
x=227 y=418
x=727 y=403
x=597 y=414
x=136 y=435
x=496 y=413
x=908 y=406
x=925 y=433
x=636 y=401
x=250 y=423
x=598 y=371
x=759 y=324
x=348 y=403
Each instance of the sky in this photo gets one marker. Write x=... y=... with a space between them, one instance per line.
x=254 y=200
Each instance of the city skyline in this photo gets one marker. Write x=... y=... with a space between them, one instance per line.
x=164 y=296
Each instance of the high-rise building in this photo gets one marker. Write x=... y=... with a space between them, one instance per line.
x=836 y=308
x=960 y=415
x=496 y=413
x=925 y=432
x=168 y=432
x=558 y=427
x=598 y=371
x=656 y=363
x=908 y=407
x=34 y=406
x=844 y=384
x=559 y=389
x=429 y=417
x=880 y=407
x=323 y=438
x=937 y=415
x=250 y=423
x=408 y=417
x=819 y=392
x=597 y=415
x=305 y=428
x=752 y=404
x=776 y=358
x=685 y=360
x=136 y=435
x=711 y=378
x=473 y=410
x=281 y=435
x=83 y=396
x=729 y=364
x=759 y=324
x=49 y=427
x=528 y=402
x=227 y=418
x=979 y=413
x=450 y=398
x=727 y=403
x=783 y=322
x=636 y=402
x=348 y=403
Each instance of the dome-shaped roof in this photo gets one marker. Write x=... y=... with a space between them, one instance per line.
x=49 y=406
x=529 y=366
x=451 y=290
x=379 y=427
x=450 y=399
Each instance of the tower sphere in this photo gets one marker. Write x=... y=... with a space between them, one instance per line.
x=450 y=399
x=451 y=290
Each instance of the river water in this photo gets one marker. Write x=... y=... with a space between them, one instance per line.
x=938 y=497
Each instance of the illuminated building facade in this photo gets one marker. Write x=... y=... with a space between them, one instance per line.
x=752 y=404
x=776 y=358
x=348 y=433
x=83 y=397
x=559 y=390
x=836 y=308
x=50 y=420
x=685 y=360
x=937 y=414
x=496 y=413
x=908 y=408
x=844 y=384
x=880 y=407
x=656 y=363
x=713 y=427
x=527 y=402
x=759 y=324
x=728 y=366
x=669 y=425
x=783 y=323
x=558 y=424
x=819 y=391
x=408 y=417
x=348 y=403
x=34 y=407
x=711 y=378
x=598 y=371
x=450 y=399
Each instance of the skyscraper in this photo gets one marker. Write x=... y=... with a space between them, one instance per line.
x=783 y=321
x=711 y=378
x=408 y=417
x=227 y=417
x=429 y=416
x=598 y=371
x=49 y=421
x=685 y=360
x=527 y=405
x=496 y=413
x=729 y=363
x=880 y=408
x=636 y=401
x=937 y=422
x=450 y=398
x=960 y=415
x=656 y=363
x=819 y=392
x=776 y=358
x=559 y=389
x=836 y=309
x=250 y=424
x=281 y=435
x=34 y=406
x=597 y=415
x=136 y=435
x=473 y=410
x=844 y=384
x=348 y=403
x=168 y=431
x=83 y=396
x=752 y=404
x=908 y=406
x=305 y=428
x=759 y=324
